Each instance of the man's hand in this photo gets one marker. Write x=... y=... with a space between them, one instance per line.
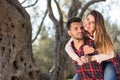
x=85 y=59
x=87 y=49
x=79 y=61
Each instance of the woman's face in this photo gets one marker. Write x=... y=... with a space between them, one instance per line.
x=89 y=24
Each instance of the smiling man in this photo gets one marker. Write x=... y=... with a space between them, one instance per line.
x=87 y=71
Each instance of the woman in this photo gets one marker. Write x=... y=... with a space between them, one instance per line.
x=94 y=24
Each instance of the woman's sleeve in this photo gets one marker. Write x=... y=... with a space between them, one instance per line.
x=70 y=51
x=103 y=57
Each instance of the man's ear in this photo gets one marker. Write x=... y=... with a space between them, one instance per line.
x=69 y=32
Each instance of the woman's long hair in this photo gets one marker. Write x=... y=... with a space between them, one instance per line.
x=102 y=40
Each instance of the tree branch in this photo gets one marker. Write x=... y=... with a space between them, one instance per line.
x=31 y=4
x=116 y=37
x=59 y=10
x=40 y=26
x=23 y=2
x=87 y=5
x=75 y=6
x=51 y=15
x=60 y=19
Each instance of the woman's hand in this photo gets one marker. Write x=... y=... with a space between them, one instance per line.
x=88 y=50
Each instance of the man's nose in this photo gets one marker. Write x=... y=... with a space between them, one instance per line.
x=79 y=30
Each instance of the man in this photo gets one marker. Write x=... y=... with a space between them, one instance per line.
x=87 y=71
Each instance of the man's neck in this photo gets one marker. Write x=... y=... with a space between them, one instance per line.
x=78 y=43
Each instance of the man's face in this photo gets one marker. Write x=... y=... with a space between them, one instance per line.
x=76 y=30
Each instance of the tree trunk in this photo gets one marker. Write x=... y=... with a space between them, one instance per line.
x=58 y=72
x=16 y=59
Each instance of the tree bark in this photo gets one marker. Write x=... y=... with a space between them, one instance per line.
x=16 y=59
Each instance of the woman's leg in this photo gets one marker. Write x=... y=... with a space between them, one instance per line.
x=75 y=77
x=109 y=71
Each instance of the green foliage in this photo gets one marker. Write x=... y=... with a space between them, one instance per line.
x=43 y=53
x=70 y=70
x=43 y=50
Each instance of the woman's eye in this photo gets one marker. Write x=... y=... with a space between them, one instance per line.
x=87 y=18
x=93 y=22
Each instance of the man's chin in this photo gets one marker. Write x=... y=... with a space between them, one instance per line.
x=79 y=38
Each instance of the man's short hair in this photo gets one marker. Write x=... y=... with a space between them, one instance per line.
x=73 y=19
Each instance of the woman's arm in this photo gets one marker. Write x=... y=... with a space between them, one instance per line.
x=70 y=51
x=99 y=58
x=102 y=57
